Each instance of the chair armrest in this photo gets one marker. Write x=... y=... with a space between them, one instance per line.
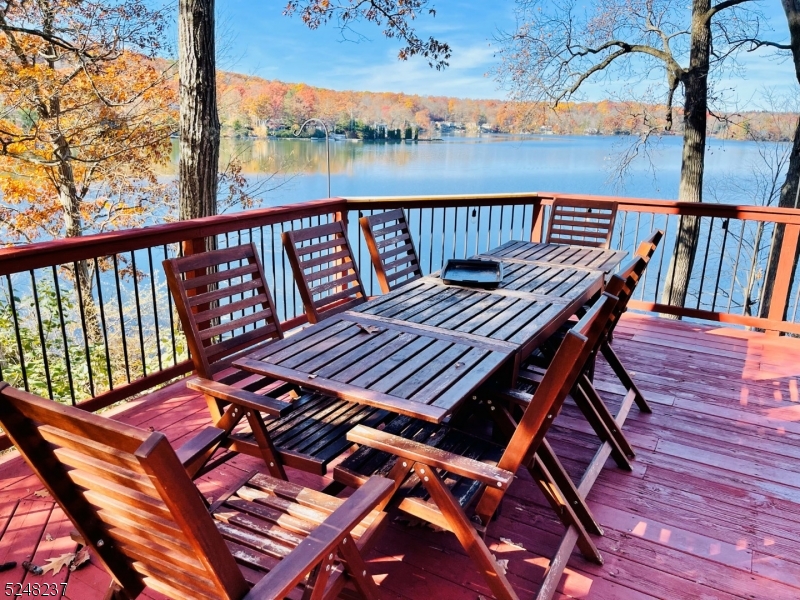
x=433 y=457
x=199 y=444
x=243 y=398
x=279 y=582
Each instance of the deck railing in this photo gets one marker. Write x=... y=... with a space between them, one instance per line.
x=131 y=341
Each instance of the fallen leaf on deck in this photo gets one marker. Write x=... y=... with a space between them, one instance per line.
x=502 y=564
x=369 y=328
x=293 y=394
x=48 y=537
x=312 y=376
x=41 y=493
x=459 y=365
x=510 y=543
x=54 y=565
x=81 y=559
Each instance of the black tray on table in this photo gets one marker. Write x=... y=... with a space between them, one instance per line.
x=475 y=273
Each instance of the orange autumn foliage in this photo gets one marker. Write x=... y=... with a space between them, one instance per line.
x=83 y=120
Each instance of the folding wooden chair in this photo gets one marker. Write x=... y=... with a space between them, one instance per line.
x=645 y=251
x=227 y=312
x=324 y=270
x=135 y=507
x=584 y=393
x=581 y=222
x=443 y=473
x=391 y=248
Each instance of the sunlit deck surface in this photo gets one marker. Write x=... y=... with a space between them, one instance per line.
x=711 y=510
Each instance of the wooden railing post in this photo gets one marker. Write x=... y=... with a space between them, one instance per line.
x=783 y=277
x=537 y=221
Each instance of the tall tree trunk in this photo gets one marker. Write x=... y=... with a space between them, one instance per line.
x=695 y=83
x=199 y=121
x=789 y=190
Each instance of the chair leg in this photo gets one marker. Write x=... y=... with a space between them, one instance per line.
x=318 y=579
x=469 y=538
x=544 y=479
x=602 y=421
x=619 y=369
x=116 y=592
x=357 y=569
x=567 y=487
x=268 y=451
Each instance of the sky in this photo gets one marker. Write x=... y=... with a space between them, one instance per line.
x=257 y=39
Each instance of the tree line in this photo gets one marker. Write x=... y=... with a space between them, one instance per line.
x=252 y=106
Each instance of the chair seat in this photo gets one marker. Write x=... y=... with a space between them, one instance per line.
x=314 y=433
x=365 y=462
x=264 y=519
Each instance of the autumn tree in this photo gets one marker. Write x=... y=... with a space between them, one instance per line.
x=199 y=119
x=85 y=116
x=557 y=49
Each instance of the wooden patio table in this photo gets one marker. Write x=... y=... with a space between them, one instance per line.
x=424 y=348
x=578 y=257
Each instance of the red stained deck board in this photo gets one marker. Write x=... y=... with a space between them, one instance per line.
x=716 y=464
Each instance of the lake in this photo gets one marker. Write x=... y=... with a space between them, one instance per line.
x=486 y=164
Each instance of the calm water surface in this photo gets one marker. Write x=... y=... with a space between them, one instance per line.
x=294 y=170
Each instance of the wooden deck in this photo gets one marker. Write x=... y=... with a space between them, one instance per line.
x=711 y=510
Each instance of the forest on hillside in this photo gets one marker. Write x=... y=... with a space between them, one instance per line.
x=252 y=106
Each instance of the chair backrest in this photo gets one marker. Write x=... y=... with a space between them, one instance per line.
x=127 y=494
x=648 y=247
x=565 y=368
x=324 y=270
x=391 y=248
x=623 y=284
x=224 y=304
x=582 y=222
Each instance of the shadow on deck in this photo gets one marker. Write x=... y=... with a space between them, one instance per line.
x=711 y=510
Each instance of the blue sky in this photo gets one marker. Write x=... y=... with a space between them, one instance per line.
x=260 y=41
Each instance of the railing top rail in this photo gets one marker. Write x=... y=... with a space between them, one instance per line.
x=63 y=251
x=774 y=214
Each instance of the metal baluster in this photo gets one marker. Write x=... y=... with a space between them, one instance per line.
x=64 y=339
x=430 y=244
x=155 y=305
x=622 y=232
x=489 y=232
x=82 y=313
x=138 y=312
x=705 y=262
x=735 y=268
x=171 y=316
x=663 y=254
x=22 y=366
x=721 y=256
x=455 y=230
x=121 y=319
x=42 y=339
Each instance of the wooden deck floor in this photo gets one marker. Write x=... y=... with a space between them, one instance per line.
x=711 y=510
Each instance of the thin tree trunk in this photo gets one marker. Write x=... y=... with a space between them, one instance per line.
x=788 y=199
x=789 y=190
x=695 y=82
x=199 y=121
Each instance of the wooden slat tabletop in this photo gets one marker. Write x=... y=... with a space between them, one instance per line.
x=579 y=257
x=530 y=304
x=415 y=370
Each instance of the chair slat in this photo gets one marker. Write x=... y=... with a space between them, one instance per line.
x=334 y=265
x=202 y=308
x=582 y=222
x=387 y=236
